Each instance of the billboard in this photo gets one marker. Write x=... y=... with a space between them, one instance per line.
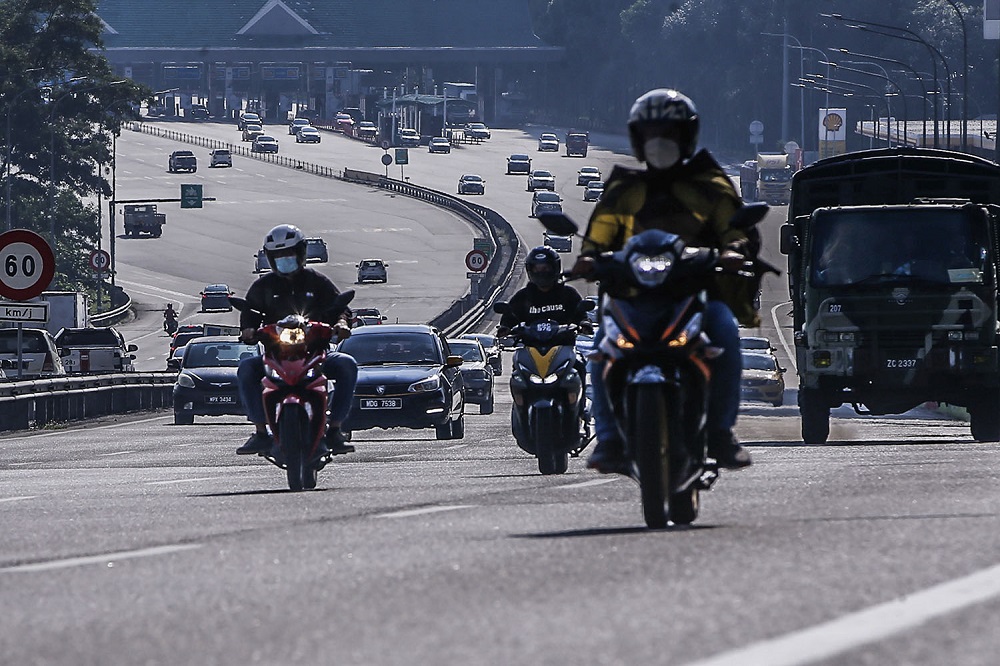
x=832 y=132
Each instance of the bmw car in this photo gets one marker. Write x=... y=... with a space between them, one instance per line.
x=206 y=384
x=408 y=377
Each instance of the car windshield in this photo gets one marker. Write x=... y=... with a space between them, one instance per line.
x=103 y=337
x=469 y=351
x=548 y=197
x=759 y=362
x=221 y=153
x=755 y=343
x=371 y=264
x=518 y=158
x=542 y=174
x=471 y=179
x=217 y=289
x=392 y=348
x=595 y=185
x=484 y=339
x=878 y=246
x=217 y=354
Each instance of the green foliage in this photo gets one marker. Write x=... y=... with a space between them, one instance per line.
x=61 y=102
x=716 y=52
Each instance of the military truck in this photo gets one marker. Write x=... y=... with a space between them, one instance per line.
x=892 y=269
x=143 y=219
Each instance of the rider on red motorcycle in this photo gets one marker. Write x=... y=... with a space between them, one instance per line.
x=291 y=288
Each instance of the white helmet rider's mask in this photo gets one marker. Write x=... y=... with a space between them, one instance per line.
x=661 y=153
x=287 y=264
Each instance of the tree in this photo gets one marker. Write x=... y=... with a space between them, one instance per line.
x=60 y=99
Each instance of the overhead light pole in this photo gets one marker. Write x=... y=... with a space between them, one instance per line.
x=884 y=76
x=874 y=91
x=965 y=76
x=866 y=26
x=916 y=74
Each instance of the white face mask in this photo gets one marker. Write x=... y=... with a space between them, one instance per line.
x=286 y=265
x=661 y=153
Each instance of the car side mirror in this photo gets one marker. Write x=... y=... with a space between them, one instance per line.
x=501 y=307
x=782 y=370
x=453 y=361
x=132 y=348
x=385 y=317
x=787 y=241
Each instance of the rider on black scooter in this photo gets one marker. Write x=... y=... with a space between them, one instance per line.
x=291 y=288
x=169 y=318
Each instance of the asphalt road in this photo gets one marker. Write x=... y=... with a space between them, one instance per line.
x=135 y=541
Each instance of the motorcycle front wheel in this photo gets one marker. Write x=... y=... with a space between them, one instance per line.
x=546 y=432
x=650 y=440
x=293 y=433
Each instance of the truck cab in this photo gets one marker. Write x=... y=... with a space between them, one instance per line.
x=892 y=269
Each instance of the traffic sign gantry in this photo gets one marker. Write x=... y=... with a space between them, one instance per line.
x=476 y=260
x=27 y=264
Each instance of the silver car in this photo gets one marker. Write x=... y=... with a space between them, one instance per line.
x=373 y=270
x=221 y=157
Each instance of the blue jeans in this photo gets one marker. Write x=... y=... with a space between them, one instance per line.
x=724 y=390
x=339 y=367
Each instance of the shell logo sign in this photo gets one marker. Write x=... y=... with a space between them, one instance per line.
x=832 y=132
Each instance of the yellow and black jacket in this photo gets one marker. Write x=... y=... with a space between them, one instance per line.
x=695 y=200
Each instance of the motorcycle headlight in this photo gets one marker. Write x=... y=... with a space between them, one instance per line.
x=547 y=379
x=651 y=271
x=292 y=336
x=185 y=380
x=432 y=383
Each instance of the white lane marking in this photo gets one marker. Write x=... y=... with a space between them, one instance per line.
x=116 y=453
x=587 y=484
x=422 y=512
x=401 y=455
x=784 y=343
x=108 y=558
x=166 y=483
x=15 y=499
x=454 y=447
x=829 y=639
x=33 y=462
x=87 y=429
x=156 y=290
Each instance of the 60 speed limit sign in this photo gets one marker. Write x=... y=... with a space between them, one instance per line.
x=27 y=264
x=476 y=260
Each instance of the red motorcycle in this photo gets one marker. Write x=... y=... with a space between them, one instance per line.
x=295 y=391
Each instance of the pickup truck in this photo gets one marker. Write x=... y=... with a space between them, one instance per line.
x=182 y=160
x=143 y=218
x=94 y=350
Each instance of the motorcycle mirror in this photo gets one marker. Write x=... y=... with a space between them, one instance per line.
x=501 y=307
x=586 y=305
x=559 y=224
x=238 y=303
x=749 y=215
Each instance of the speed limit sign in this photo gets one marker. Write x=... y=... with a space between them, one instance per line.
x=476 y=260
x=27 y=264
x=100 y=261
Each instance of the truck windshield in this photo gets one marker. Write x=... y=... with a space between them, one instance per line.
x=775 y=175
x=875 y=246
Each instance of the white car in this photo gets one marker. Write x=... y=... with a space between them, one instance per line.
x=409 y=137
x=220 y=157
x=439 y=144
x=307 y=134
x=39 y=354
x=587 y=174
x=539 y=179
x=593 y=190
x=548 y=142
x=477 y=131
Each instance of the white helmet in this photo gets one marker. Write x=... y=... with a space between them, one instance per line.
x=283 y=240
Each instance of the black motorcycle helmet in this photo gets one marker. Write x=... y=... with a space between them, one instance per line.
x=543 y=266
x=666 y=113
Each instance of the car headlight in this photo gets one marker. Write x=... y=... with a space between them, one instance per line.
x=651 y=271
x=432 y=383
x=185 y=380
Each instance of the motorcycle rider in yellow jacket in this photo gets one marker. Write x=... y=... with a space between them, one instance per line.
x=686 y=193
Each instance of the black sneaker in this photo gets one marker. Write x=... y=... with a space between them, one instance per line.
x=608 y=457
x=337 y=442
x=726 y=449
x=258 y=443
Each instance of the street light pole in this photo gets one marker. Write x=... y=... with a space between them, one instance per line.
x=914 y=37
x=916 y=74
x=965 y=76
x=885 y=76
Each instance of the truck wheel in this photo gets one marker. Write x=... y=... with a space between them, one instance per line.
x=985 y=420
x=815 y=416
x=156 y=234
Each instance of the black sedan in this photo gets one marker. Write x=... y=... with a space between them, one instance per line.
x=206 y=384
x=407 y=378
x=476 y=373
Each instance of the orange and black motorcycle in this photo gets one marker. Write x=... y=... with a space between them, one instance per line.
x=658 y=366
